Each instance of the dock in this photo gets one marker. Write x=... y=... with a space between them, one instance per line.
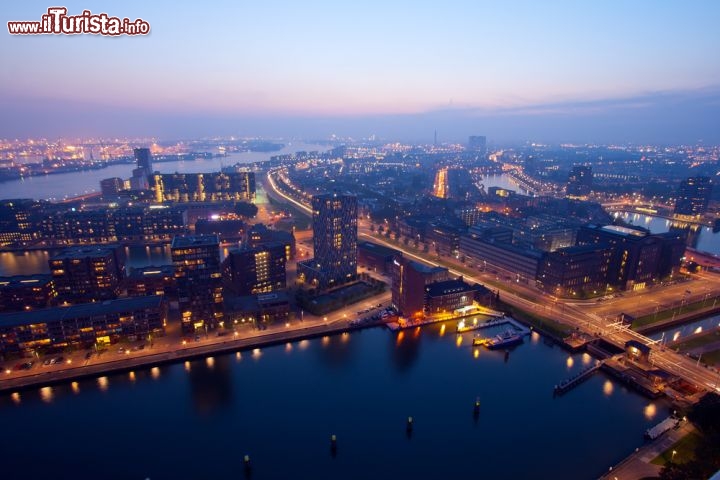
x=662 y=427
x=521 y=329
x=572 y=382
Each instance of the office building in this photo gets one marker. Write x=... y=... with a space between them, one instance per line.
x=409 y=279
x=447 y=296
x=199 y=281
x=87 y=274
x=579 y=181
x=143 y=159
x=376 y=257
x=334 y=242
x=575 y=271
x=110 y=187
x=637 y=255
x=693 y=196
x=82 y=325
x=249 y=271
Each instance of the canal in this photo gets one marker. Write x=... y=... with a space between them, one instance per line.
x=281 y=405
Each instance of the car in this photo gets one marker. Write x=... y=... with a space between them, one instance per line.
x=197 y=338
x=47 y=361
x=121 y=350
x=59 y=359
x=26 y=365
x=378 y=305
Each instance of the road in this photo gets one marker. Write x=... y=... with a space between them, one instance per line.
x=590 y=317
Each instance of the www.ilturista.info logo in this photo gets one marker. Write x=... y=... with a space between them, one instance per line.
x=58 y=22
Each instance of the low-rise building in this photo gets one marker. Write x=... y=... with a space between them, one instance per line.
x=82 y=325
x=376 y=257
x=26 y=292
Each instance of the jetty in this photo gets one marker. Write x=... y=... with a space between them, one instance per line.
x=572 y=382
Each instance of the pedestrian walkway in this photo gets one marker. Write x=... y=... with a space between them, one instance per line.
x=638 y=465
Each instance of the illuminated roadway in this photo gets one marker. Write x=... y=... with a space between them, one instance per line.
x=569 y=312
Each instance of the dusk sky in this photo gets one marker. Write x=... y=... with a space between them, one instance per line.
x=624 y=71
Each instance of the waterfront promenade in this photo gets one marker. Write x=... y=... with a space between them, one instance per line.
x=168 y=349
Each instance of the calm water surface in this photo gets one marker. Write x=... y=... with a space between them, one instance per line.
x=64 y=185
x=281 y=404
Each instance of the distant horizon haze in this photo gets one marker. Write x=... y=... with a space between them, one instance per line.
x=606 y=72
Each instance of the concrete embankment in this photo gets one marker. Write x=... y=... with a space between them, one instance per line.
x=150 y=359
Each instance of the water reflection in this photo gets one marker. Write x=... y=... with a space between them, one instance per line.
x=608 y=388
x=75 y=387
x=338 y=351
x=404 y=353
x=650 y=411
x=46 y=394
x=586 y=358
x=15 y=398
x=131 y=376
x=103 y=383
x=211 y=384
x=569 y=362
x=155 y=373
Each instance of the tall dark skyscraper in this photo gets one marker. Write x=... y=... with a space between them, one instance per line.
x=142 y=158
x=199 y=281
x=693 y=196
x=477 y=143
x=579 y=181
x=334 y=240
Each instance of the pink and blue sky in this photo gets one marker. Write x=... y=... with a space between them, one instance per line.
x=525 y=70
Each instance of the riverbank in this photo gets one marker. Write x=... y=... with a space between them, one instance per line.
x=147 y=358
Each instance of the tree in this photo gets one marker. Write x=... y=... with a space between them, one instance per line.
x=247 y=210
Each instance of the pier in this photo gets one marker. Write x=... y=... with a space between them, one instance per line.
x=521 y=329
x=574 y=381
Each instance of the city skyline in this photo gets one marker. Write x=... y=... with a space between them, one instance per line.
x=637 y=72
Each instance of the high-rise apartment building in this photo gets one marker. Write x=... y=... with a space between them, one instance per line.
x=693 y=196
x=199 y=281
x=579 y=181
x=334 y=241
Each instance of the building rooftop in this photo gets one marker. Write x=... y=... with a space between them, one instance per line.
x=85 y=252
x=57 y=314
x=195 y=241
x=24 y=281
x=378 y=249
x=152 y=271
x=445 y=287
x=624 y=231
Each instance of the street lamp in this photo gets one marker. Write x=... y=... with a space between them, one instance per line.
x=673 y=455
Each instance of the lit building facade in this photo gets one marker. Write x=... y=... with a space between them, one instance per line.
x=693 y=196
x=409 y=279
x=87 y=274
x=81 y=325
x=199 y=281
x=203 y=187
x=334 y=241
x=580 y=181
x=249 y=271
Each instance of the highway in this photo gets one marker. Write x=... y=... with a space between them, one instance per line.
x=589 y=317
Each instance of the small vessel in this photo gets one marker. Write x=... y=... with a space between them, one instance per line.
x=480 y=341
x=505 y=339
